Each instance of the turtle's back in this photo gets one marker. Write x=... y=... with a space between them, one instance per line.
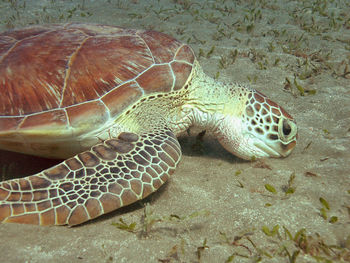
x=61 y=81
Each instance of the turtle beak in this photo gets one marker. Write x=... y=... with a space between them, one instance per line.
x=269 y=151
x=278 y=150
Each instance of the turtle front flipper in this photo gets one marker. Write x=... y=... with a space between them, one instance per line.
x=112 y=174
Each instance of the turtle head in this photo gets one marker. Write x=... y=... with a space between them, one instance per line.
x=259 y=129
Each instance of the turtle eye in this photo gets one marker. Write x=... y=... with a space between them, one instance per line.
x=286 y=129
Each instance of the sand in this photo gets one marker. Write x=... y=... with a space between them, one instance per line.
x=216 y=208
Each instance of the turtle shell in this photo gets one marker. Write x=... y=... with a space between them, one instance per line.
x=59 y=82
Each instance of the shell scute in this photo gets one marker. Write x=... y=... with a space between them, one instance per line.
x=163 y=82
x=96 y=29
x=185 y=54
x=10 y=124
x=34 y=70
x=122 y=97
x=6 y=42
x=87 y=116
x=162 y=46
x=50 y=120
x=181 y=71
x=29 y=32
x=112 y=65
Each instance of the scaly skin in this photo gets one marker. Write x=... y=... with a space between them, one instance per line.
x=111 y=175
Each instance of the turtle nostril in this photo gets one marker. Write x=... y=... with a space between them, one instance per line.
x=287 y=129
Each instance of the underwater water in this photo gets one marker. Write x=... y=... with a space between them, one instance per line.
x=217 y=207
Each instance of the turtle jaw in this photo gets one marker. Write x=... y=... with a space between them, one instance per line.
x=234 y=136
x=282 y=143
x=245 y=143
x=278 y=150
x=269 y=151
x=247 y=147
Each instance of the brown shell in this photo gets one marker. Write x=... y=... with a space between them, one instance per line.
x=53 y=77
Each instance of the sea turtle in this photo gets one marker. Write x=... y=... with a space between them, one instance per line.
x=111 y=101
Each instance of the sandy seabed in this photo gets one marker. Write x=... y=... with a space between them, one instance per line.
x=215 y=208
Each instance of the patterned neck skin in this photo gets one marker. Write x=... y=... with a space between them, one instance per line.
x=246 y=122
